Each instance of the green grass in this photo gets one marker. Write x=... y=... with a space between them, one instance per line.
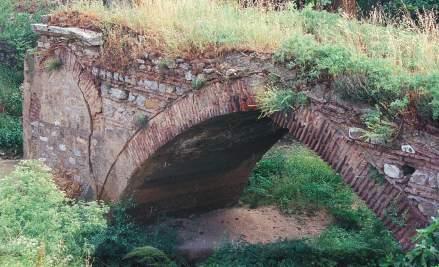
x=297 y=181
x=40 y=226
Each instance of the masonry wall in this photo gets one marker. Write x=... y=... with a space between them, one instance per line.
x=101 y=127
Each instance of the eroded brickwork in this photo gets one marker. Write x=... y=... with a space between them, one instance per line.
x=118 y=133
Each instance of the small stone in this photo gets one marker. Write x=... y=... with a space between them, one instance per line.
x=140 y=61
x=209 y=71
x=179 y=60
x=145 y=55
x=140 y=101
x=231 y=72
x=132 y=97
x=188 y=76
x=142 y=67
x=392 y=171
x=119 y=94
x=62 y=147
x=408 y=149
x=356 y=133
x=44 y=139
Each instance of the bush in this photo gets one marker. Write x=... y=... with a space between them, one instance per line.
x=273 y=100
x=15 y=23
x=10 y=94
x=122 y=236
x=426 y=250
x=11 y=134
x=39 y=225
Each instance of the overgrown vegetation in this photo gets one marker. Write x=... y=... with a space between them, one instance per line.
x=16 y=18
x=273 y=99
x=10 y=112
x=297 y=181
x=377 y=61
x=40 y=226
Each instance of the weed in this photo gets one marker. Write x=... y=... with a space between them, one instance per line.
x=141 y=121
x=272 y=100
x=379 y=130
x=198 y=82
x=53 y=64
x=375 y=175
x=391 y=213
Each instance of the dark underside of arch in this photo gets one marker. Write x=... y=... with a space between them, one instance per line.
x=205 y=167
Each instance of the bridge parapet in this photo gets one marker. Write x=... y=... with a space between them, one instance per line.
x=118 y=132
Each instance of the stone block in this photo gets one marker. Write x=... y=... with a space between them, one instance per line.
x=419 y=177
x=356 y=133
x=152 y=85
x=152 y=104
x=119 y=94
x=392 y=171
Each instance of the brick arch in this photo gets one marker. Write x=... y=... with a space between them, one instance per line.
x=312 y=126
x=353 y=161
x=194 y=108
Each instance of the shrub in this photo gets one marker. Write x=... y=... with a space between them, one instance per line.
x=15 y=23
x=10 y=94
x=11 y=132
x=39 y=225
x=426 y=250
x=53 y=64
x=272 y=100
x=123 y=236
x=147 y=256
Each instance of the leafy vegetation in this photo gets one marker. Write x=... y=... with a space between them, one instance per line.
x=40 y=226
x=10 y=94
x=11 y=139
x=10 y=112
x=297 y=181
x=16 y=18
x=272 y=100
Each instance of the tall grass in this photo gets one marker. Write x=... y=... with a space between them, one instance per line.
x=200 y=25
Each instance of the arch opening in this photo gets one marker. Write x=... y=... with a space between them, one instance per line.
x=203 y=168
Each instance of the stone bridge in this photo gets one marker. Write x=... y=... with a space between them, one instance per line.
x=178 y=135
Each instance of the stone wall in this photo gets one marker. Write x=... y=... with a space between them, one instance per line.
x=124 y=134
x=7 y=54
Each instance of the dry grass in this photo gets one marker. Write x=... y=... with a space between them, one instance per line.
x=188 y=26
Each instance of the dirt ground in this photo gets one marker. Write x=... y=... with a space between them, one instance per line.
x=6 y=166
x=201 y=234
